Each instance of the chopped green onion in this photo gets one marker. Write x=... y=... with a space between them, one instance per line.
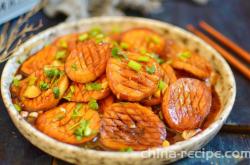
x=134 y=65
x=99 y=36
x=63 y=44
x=56 y=92
x=93 y=104
x=83 y=130
x=71 y=92
x=161 y=85
x=143 y=59
x=18 y=108
x=115 y=51
x=74 y=67
x=83 y=37
x=124 y=45
x=93 y=86
x=60 y=55
x=43 y=85
x=156 y=57
x=16 y=80
x=155 y=39
x=76 y=112
x=150 y=70
x=143 y=51
x=128 y=149
x=184 y=55
x=94 y=31
x=51 y=73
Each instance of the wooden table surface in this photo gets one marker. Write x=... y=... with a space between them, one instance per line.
x=231 y=17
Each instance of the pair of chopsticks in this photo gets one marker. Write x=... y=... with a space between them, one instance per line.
x=226 y=42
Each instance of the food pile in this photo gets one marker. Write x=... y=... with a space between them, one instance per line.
x=124 y=91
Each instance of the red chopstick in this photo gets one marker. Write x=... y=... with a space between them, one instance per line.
x=226 y=41
x=231 y=59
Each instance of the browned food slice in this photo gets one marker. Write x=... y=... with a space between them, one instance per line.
x=87 y=62
x=133 y=80
x=106 y=102
x=131 y=125
x=172 y=48
x=192 y=63
x=186 y=104
x=139 y=39
x=72 y=123
x=97 y=90
x=43 y=89
x=168 y=78
x=36 y=62
x=169 y=74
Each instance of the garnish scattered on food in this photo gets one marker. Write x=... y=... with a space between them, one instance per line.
x=123 y=90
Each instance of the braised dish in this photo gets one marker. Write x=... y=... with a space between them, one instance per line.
x=117 y=90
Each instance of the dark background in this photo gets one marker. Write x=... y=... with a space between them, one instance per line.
x=231 y=17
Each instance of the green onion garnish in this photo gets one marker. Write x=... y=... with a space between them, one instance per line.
x=124 y=45
x=71 y=92
x=74 y=67
x=56 y=92
x=63 y=44
x=83 y=130
x=83 y=37
x=161 y=85
x=18 y=108
x=184 y=55
x=143 y=51
x=94 y=31
x=134 y=65
x=43 y=85
x=16 y=80
x=115 y=51
x=93 y=104
x=76 y=112
x=143 y=59
x=60 y=55
x=128 y=149
x=156 y=57
x=93 y=86
x=51 y=73
x=150 y=70
x=155 y=39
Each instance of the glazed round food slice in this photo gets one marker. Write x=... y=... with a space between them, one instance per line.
x=43 y=89
x=79 y=92
x=72 y=123
x=36 y=62
x=134 y=77
x=131 y=125
x=88 y=61
x=138 y=39
x=192 y=63
x=186 y=104
x=168 y=78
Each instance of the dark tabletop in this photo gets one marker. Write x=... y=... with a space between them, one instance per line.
x=231 y=17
